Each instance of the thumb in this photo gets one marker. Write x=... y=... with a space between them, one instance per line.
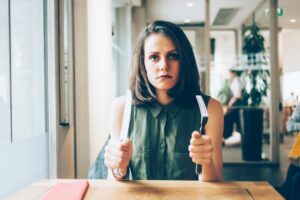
x=196 y=134
x=126 y=142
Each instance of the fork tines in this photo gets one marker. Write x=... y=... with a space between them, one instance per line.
x=202 y=106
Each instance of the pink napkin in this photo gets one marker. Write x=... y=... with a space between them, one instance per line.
x=65 y=191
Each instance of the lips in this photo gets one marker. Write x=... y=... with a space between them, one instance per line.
x=164 y=76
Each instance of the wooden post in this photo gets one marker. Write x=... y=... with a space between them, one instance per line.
x=207 y=46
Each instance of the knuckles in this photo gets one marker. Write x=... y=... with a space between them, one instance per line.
x=116 y=155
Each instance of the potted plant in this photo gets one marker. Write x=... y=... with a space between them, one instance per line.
x=256 y=77
x=255 y=72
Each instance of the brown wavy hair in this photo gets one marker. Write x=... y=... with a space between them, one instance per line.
x=188 y=84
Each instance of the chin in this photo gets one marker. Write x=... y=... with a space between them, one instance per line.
x=164 y=87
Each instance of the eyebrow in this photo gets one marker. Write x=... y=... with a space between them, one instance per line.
x=156 y=52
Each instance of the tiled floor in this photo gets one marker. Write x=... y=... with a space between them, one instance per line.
x=274 y=174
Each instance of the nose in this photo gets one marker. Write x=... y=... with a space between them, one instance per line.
x=163 y=64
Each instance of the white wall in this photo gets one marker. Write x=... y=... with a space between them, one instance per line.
x=225 y=54
x=225 y=57
x=93 y=65
x=290 y=58
x=291 y=50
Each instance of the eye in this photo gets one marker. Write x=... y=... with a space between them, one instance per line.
x=153 y=57
x=173 y=56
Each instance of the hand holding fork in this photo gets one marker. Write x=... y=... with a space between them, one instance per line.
x=200 y=147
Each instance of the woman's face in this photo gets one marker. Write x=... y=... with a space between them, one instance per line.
x=161 y=62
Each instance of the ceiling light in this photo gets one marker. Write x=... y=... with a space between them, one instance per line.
x=293 y=20
x=187 y=21
x=189 y=4
x=279 y=12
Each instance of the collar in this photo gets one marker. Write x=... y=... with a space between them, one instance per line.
x=172 y=109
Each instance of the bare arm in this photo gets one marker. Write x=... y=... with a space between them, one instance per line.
x=233 y=99
x=117 y=153
x=213 y=171
x=116 y=116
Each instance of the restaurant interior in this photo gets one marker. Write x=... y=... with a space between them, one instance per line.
x=62 y=62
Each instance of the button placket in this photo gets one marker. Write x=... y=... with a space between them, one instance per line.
x=163 y=141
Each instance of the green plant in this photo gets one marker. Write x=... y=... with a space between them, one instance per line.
x=253 y=41
x=256 y=77
x=224 y=94
x=256 y=87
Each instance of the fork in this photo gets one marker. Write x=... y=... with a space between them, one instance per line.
x=204 y=114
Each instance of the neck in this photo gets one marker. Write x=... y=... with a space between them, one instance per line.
x=163 y=98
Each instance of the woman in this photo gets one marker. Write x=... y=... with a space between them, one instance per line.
x=163 y=142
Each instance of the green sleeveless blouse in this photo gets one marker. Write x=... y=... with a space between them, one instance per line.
x=160 y=137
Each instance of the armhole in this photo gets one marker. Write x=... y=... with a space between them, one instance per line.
x=206 y=99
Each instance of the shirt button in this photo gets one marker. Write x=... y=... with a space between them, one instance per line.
x=162 y=144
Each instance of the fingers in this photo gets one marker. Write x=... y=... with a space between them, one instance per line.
x=196 y=134
x=200 y=148
x=118 y=145
x=205 y=155
x=118 y=154
x=201 y=161
x=110 y=164
x=198 y=139
x=126 y=142
x=123 y=171
x=201 y=158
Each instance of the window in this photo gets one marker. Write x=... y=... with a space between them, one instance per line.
x=22 y=69
x=5 y=122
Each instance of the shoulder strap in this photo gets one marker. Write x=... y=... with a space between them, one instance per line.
x=126 y=116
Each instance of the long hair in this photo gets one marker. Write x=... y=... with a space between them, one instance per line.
x=188 y=84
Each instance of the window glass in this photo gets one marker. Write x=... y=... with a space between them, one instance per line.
x=5 y=132
x=27 y=68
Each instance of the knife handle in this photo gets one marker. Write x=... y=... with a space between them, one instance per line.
x=198 y=169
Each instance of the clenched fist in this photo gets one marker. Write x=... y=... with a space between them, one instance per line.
x=200 y=148
x=118 y=154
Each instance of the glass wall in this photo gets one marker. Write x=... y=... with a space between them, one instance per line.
x=22 y=69
x=247 y=122
x=5 y=120
x=27 y=68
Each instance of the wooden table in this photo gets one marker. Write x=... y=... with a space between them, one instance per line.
x=153 y=190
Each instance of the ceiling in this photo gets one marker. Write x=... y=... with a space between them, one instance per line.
x=291 y=10
x=177 y=11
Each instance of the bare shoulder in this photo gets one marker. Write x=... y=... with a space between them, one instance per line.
x=116 y=116
x=215 y=118
x=215 y=107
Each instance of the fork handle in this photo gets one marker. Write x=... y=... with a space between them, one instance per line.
x=198 y=169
